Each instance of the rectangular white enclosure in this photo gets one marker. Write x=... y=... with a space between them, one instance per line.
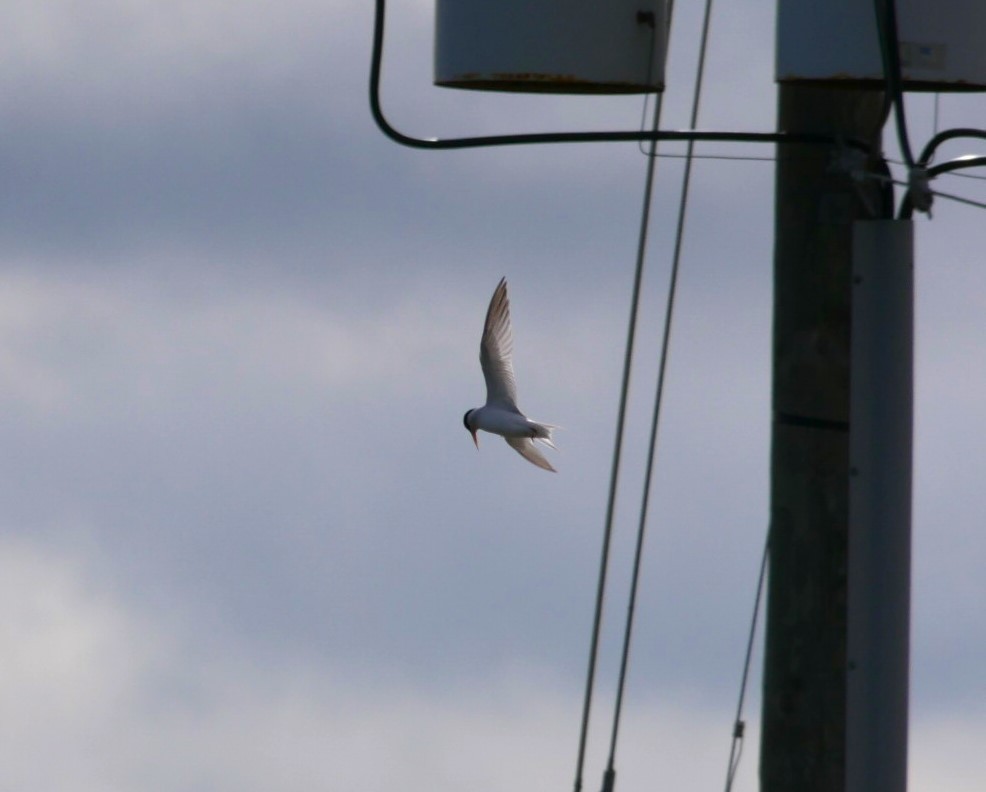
x=942 y=43
x=551 y=46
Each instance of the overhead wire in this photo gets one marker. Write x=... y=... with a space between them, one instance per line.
x=731 y=157
x=965 y=175
x=609 y=775
x=959 y=199
x=739 y=725
x=659 y=97
x=615 y=466
x=943 y=137
x=886 y=20
x=620 y=428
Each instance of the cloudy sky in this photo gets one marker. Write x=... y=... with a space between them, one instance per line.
x=246 y=543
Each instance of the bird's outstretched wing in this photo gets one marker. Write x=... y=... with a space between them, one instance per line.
x=526 y=448
x=495 y=351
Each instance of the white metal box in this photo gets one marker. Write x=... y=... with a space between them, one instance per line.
x=551 y=46
x=942 y=43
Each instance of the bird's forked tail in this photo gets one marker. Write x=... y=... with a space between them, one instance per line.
x=542 y=432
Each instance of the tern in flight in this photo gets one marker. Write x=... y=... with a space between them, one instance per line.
x=500 y=414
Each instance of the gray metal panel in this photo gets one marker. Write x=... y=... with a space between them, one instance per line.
x=881 y=417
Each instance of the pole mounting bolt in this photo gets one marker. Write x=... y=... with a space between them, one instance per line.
x=850 y=161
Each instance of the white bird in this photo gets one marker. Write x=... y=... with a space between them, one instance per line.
x=500 y=414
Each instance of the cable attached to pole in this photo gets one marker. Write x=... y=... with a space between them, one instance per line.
x=908 y=206
x=886 y=21
x=943 y=137
x=739 y=725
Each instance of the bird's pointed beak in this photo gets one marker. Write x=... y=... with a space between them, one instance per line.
x=475 y=439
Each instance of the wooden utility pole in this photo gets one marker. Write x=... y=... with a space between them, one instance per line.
x=817 y=201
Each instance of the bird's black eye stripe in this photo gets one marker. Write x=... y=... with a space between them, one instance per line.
x=465 y=418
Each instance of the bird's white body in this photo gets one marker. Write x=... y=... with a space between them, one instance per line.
x=507 y=423
x=500 y=414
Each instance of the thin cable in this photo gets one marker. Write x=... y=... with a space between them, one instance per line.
x=617 y=454
x=906 y=210
x=942 y=137
x=959 y=199
x=658 y=98
x=739 y=726
x=734 y=157
x=965 y=175
x=886 y=20
x=959 y=163
x=609 y=777
x=737 y=755
x=947 y=172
